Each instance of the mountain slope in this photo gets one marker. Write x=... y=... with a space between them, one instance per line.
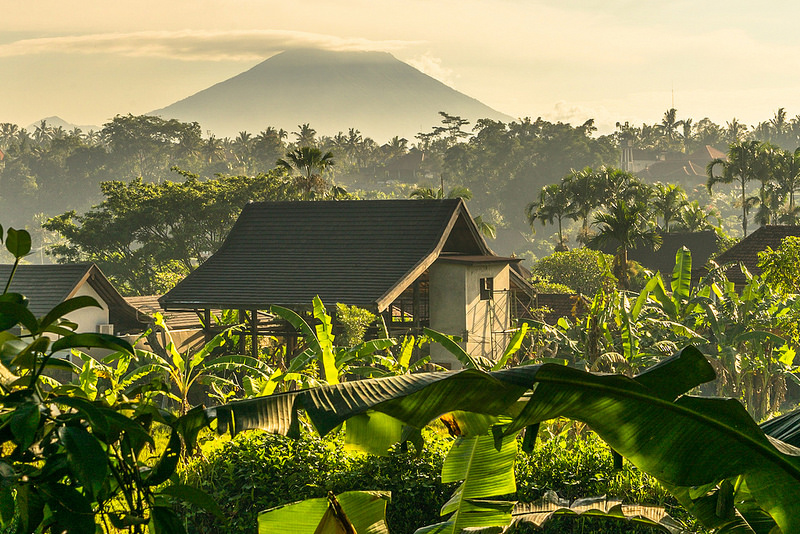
x=333 y=91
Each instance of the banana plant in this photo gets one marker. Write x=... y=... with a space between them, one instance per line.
x=485 y=470
x=550 y=505
x=698 y=447
x=71 y=463
x=183 y=370
x=744 y=341
x=351 y=512
x=451 y=343
x=321 y=362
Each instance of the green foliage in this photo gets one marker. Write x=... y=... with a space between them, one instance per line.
x=647 y=419
x=319 y=360
x=352 y=511
x=257 y=471
x=542 y=284
x=584 y=270
x=213 y=366
x=355 y=322
x=145 y=235
x=780 y=269
x=74 y=460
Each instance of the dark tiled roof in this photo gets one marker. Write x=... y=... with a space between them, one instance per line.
x=681 y=166
x=561 y=305
x=356 y=252
x=701 y=244
x=46 y=286
x=746 y=251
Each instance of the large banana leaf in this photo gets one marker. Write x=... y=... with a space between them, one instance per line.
x=550 y=505
x=682 y=274
x=685 y=442
x=692 y=441
x=353 y=511
x=486 y=472
x=418 y=399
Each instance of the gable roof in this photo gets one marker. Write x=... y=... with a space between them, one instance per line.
x=746 y=251
x=681 y=166
x=46 y=286
x=701 y=244
x=361 y=252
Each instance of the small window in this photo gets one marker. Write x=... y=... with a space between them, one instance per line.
x=487 y=286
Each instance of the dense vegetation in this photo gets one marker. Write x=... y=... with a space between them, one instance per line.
x=101 y=448
x=47 y=172
x=258 y=471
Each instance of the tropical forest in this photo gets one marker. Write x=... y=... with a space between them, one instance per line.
x=620 y=395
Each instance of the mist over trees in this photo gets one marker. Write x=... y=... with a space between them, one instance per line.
x=50 y=172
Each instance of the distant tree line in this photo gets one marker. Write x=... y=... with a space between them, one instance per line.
x=52 y=173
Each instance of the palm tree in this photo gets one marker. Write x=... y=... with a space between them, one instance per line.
x=212 y=150
x=310 y=163
x=745 y=162
x=668 y=201
x=687 y=135
x=583 y=189
x=779 y=125
x=696 y=218
x=735 y=131
x=626 y=225
x=42 y=133
x=8 y=134
x=769 y=201
x=553 y=205
x=786 y=175
x=669 y=123
x=306 y=136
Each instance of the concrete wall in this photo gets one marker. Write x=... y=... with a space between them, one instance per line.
x=487 y=319
x=457 y=309
x=447 y=296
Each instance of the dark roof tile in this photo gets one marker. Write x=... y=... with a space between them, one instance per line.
x=746 y=251
x=354 y=252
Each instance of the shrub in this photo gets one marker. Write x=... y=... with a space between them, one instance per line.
x=583 y=269
x=256 y=471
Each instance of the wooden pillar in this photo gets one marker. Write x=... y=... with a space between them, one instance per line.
x=242 y=335
x=415 y=306
x=254 y=333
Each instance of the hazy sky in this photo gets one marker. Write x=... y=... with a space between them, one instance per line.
x=612 y=60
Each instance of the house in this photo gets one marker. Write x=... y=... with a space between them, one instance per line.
x=701 y=244
x=746 y=251
x=46 y=286
x=689 y=170
x=419 y=263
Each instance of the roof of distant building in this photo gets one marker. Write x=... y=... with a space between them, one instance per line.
x=746 y=251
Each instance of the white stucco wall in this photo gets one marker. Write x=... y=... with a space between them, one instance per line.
x=87 y=319
x=456 y=308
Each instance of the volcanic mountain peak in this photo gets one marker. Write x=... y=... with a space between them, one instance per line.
x=332 y=91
